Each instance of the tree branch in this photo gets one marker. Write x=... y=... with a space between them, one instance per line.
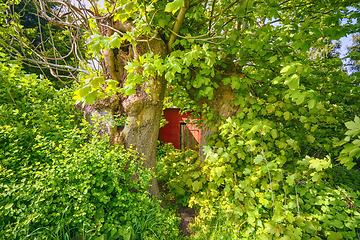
x=221 y=12
x=178 y=22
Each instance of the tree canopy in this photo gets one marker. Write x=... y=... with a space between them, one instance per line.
x=273 y=104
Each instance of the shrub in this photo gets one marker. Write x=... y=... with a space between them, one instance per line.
x=249 y=188
x=174 y=169
x=55 y=183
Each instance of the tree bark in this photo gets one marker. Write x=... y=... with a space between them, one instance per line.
x=221 y=105
x=143 y=109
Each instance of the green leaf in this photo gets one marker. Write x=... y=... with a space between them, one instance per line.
x=9 y=205
x=277 y=80
x=130 y=7
x=112 y=84
x=174 y=6
x=272 y=59
x=115 y=42
x=311 y=103
x=316 y=177
x=293 y=81
x=235 y=84
x=270 y=228
x=354 y=127
x=310 y=138
x=91 y=97
x=319 y=164
x=197 y=186
x=96 y=81
x=287 y=70
x=258 y=159
x=335 y=236
x=247 y=171
x=128 y=90
x=274 y=133
x=287 y=116
x=226 y=81
x=84 y=91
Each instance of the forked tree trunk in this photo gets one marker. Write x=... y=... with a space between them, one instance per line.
x=143 y=109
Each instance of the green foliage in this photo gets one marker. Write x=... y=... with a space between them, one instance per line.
x=340 y=176
x=56 y=183
x=263 y=200
x=354 y=51
x=26 y=36
x=351 y=149
x=257 y=180
x=175 y=170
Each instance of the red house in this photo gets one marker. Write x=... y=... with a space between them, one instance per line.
x=177 y=131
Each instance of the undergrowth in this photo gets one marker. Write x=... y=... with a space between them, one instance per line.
x=58 y=180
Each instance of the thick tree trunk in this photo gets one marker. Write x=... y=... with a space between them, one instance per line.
x=221 y=105
x=141 y=134
x=223 y=108
x=143 y=109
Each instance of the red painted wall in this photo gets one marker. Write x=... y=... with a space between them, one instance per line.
x=171 y=132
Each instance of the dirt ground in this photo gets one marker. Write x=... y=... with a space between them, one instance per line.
x=187 y=215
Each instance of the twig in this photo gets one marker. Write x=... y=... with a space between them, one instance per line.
x=297 y=197
x=114 y=29
x=267 y=166
x=13 y=99
x=280 y=51
x=146 y=18
x=272 y=192
x=59 y=66
x=282 y=178
x=221 y=12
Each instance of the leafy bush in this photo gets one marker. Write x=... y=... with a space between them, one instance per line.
x=173 y=172
x=55 y=183
x=255 y=184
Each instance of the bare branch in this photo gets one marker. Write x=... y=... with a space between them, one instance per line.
x=60 y=67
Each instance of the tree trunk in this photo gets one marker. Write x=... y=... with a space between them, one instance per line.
x=223 y=108
x=143 y=109
x=221 y=105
